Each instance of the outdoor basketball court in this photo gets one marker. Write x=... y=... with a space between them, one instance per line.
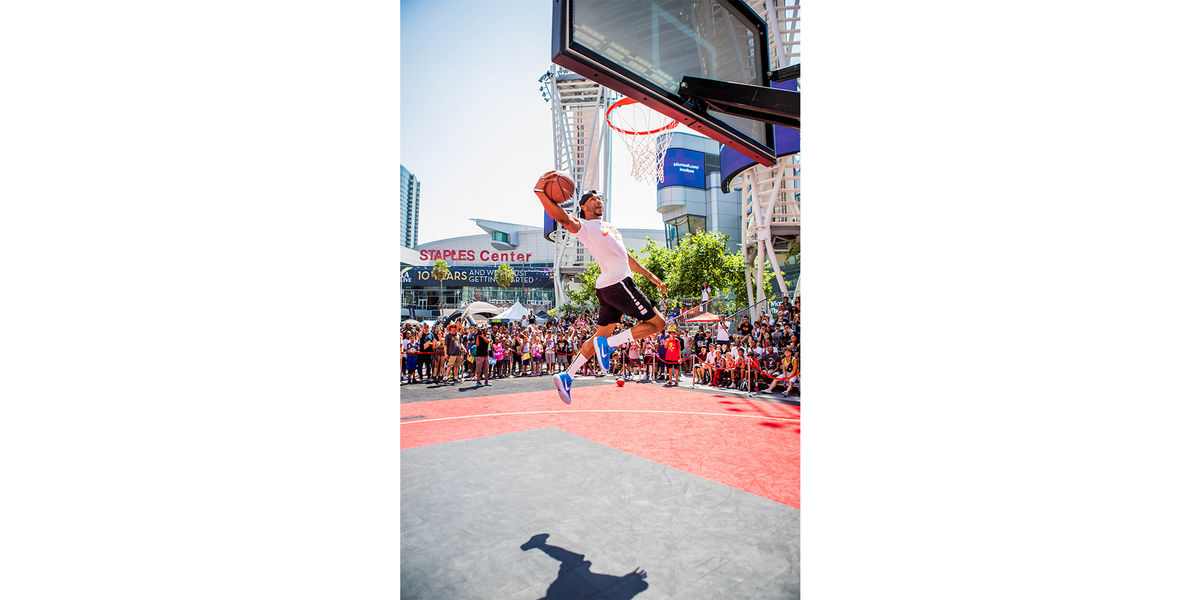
x=636 y=491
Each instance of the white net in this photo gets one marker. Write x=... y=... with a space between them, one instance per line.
x=646 y=134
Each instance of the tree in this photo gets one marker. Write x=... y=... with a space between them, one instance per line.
x=440 y=272
x=585 y=296
x=700 y=258
x=658 y=260
x=504 y=275
x=703 y=257
x=734 y=269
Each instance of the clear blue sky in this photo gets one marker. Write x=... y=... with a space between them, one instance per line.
x=474 y=128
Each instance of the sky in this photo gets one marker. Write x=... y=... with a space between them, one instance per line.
x=474 y=128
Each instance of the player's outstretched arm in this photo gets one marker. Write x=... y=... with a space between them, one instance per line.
x=555 y=211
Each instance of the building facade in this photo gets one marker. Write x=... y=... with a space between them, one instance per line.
x=410 y=207
x=690 y=197
x=473 y=260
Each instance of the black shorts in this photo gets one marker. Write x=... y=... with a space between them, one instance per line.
x=622 y=298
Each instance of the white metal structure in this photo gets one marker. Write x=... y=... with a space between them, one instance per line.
x=771 y=195
x=581 y=147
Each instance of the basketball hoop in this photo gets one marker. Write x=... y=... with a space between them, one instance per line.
x=646 y=134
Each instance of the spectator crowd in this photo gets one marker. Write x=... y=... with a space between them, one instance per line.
x=733 y=353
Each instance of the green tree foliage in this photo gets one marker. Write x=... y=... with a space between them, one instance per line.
x=792 y=253
x=703 y=258
x=658 y=260
x=440 y=270
x=585 y=296
x=734 y=275
x=504 y=275
x=700 y=258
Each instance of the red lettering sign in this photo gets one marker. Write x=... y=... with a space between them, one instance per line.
x=465 y=255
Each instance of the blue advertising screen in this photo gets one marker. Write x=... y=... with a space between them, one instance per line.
x=787 y=141
x=683 y=167
x=533 y=277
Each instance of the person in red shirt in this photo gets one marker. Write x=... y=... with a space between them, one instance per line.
x=673 y=346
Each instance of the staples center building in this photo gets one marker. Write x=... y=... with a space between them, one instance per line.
x=473 y=260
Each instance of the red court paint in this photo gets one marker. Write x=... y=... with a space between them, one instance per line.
x=758 y=450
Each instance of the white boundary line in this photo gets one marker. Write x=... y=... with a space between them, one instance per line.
x=562 y=412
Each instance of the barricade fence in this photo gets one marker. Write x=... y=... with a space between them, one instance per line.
x=658 y=360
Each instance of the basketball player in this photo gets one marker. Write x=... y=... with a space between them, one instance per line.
x=614 y=288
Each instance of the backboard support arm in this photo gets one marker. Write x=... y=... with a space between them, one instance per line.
x=785 y=74
x=766 y=104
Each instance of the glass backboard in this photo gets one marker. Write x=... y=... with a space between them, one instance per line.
x=644 y=48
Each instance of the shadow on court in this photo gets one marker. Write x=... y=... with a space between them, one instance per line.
x=576 y=579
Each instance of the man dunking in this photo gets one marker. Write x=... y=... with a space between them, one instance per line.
x=615 y=290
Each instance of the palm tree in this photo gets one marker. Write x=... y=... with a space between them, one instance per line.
x=440 y=272
x=504 y=275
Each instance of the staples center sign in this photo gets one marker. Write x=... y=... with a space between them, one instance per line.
x=473 y=256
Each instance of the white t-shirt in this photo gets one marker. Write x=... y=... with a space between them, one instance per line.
x=605 y=243
x=722 y=332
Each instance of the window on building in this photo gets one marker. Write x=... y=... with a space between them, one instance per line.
x=499 y=236
x=680 y=227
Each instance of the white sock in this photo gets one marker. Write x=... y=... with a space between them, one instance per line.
x=579 y=360
x=621 y=338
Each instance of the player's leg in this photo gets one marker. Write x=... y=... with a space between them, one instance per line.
x=624 y=298
x=588 y=350
x=562 y=381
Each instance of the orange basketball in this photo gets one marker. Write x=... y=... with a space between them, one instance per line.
x=560 y=188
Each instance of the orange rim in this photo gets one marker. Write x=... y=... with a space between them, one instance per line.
x=627 y=102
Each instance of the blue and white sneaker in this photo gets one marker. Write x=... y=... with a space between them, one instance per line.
x=603 y=353
x=562 y=382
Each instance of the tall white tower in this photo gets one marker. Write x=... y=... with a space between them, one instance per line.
x=771 y=195
x=582 y=148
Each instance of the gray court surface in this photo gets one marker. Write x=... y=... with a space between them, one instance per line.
x=548 y=514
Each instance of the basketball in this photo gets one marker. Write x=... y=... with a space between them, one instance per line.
x=560 y=188
x=620 y=383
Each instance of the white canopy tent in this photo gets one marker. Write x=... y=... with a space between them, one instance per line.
x=514 y=313
x=475 y=312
